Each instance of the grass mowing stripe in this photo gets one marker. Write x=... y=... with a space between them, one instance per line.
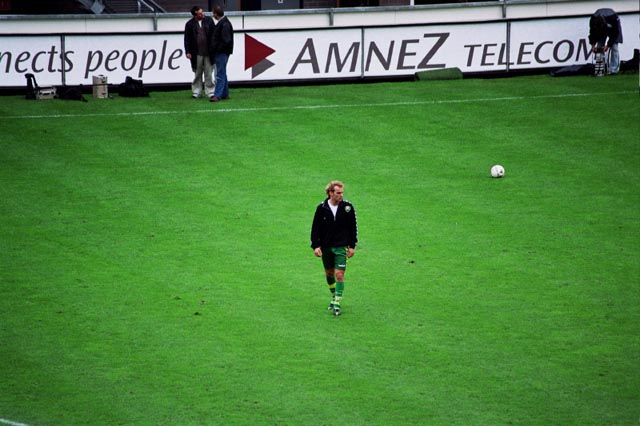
x=11 y=423
x=311 y=107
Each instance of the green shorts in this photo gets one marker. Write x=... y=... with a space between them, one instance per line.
x=334 y=258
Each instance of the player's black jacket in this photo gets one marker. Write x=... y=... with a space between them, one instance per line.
x=339 y=232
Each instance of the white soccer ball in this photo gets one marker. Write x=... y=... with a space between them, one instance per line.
x=497 y=171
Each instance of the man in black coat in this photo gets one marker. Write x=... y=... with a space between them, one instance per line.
x=221 y=47
x=197 y=33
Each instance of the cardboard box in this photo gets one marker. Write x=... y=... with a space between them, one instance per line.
x=100 y=87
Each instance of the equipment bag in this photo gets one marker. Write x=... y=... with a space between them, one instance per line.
x=572 y=70
x=32 y=87
x=71 y=94
x=132 y=88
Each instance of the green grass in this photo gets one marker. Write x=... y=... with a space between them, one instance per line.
x=156 y=269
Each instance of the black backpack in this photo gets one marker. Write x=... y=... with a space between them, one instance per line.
x=32 y=87
x=132 y=88
x=632 y=64
x=71 y=94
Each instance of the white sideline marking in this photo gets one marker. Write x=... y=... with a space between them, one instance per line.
x=10 y=423
x=321 y=106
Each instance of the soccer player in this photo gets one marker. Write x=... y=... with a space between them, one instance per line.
x=334 y=235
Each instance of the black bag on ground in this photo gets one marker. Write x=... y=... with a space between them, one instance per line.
x=132 y=88
x=71 y=94
x=32 y=87
x=632 y=64
x=586 y=69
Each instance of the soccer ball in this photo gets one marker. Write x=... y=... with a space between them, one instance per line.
x=497 y=171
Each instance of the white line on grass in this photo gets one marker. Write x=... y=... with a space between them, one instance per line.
x=10 y=423
x=320 y=106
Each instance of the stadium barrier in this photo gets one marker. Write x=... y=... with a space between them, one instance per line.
x=304 y=45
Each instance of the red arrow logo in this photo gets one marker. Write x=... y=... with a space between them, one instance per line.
x=255 y=55
x=254 y=51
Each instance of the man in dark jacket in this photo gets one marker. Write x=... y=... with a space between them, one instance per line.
x=197 y=32
x=221 y=47
x=605 y=33
x=334 y=235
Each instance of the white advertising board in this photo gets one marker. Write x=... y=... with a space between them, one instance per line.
x=281 y=55
x=153 y=58
x=556 y=43
x=291 y=55
x=40 y=56
x=407 y=50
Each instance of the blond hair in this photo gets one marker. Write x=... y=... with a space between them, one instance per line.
x=331 y=186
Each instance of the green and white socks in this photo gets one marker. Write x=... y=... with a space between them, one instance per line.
x=336 y=289
x=338 y=294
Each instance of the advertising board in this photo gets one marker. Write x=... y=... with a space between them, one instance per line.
x=331 y=53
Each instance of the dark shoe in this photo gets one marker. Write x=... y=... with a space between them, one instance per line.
x=214 y=99
x=224 y=98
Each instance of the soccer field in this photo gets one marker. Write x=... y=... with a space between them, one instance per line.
x=156 y=268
